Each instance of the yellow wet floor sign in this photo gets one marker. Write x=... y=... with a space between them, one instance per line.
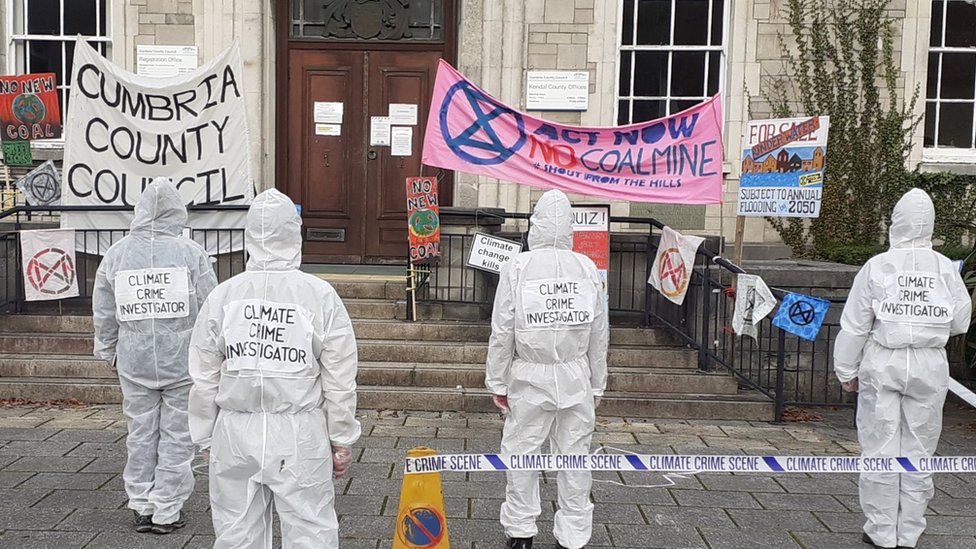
x=421 y=521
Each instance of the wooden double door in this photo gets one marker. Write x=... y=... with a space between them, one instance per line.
x=351 y=192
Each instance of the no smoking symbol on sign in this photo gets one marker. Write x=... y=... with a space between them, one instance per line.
x=421 y=527
x=51 y=271
x=802 y=313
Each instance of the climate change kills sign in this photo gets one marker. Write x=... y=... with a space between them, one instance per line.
x=267 y=336
x=920 y=298
x=489 y=253
x=553 y=302
x=152 y=293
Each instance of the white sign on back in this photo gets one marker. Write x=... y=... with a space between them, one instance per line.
x=152 y=293
x=165 y=61
x=267 y=336
x=554 y=302
x=557 y=91
x=489 y=253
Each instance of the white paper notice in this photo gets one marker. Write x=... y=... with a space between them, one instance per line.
x=165 y=61
x=267 y=336
x=152 y=293
x=403 y=114
x=553 y=302
x=379 y=131
x=328 y=113
x=402 y=141
x=328 y=129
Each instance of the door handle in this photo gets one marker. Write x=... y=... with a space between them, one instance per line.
x=325 y=158
x=371 y=154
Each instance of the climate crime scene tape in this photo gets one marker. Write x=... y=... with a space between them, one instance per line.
x=666 y=463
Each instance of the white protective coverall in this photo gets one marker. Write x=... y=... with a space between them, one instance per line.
x=273 y=359
x=903 y=306
x=548 y=355
x=148 y=290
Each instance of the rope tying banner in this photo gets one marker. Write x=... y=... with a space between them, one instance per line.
x=668 y=463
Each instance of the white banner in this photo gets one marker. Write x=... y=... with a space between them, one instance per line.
x=124 y=130
x=674 y=263
x=48 y=264
x=753 y=302
x=152 y=293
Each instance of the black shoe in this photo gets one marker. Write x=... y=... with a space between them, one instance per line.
x=519 y=543
x=163 y=529
x=867 y=539
x=143 y=522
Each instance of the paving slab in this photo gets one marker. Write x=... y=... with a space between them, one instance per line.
x=61 y=486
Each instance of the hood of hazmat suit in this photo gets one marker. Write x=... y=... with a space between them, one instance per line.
x=903 y=307
x=548 y=354
x=148 y=290
x=273 y=359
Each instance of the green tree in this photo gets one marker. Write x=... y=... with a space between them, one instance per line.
x=839 y=59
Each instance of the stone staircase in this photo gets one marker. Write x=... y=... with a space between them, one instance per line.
x=432 y=365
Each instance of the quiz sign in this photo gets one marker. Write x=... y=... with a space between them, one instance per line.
x=554 y=302
x=126 y=130
x=591 y=236
x=423 y=219
x=152 y=293
x=782 y=167
x=673 y=160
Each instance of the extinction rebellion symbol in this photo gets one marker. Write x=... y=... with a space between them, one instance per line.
x=673 y=273
x=480 y=143
x=51 y=271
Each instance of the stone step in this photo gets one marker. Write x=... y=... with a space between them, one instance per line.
x=633 y=405
x=472 y=376
x=643 y=405
x=420 y=349
x=365 y=329
x=653 y=380
x=476 y=353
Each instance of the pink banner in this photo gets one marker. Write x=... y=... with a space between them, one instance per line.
x=673 y=160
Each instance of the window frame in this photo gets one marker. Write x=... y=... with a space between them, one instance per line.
x=723 y=51
x=15 y=43
x=935 y=153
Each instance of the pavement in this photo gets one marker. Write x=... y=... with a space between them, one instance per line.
x=61 y=486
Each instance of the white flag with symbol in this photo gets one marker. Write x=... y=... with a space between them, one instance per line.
x=49 y=264
x=674 y=263
x=753 y=302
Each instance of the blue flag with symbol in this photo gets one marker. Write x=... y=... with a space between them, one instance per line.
x=801 y=315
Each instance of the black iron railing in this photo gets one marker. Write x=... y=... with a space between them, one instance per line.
x=788 y=370
x=230 y=256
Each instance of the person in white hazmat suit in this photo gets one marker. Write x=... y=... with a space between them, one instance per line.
x=902 y=308
x=273 y=359
x=148 y=290
x=547 y=369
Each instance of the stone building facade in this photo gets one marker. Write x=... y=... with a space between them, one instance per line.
x=498 y=41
